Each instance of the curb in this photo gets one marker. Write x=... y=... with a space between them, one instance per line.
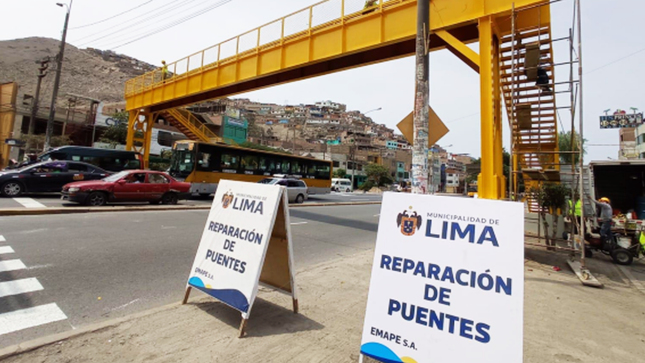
x=38 y=343
x=73 y=210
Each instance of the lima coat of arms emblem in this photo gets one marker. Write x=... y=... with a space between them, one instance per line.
x=227 y=199
x=409 y=223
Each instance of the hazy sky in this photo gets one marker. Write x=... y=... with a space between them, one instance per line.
x=612 y=33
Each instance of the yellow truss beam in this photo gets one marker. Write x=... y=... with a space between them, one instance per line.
x=461 y=50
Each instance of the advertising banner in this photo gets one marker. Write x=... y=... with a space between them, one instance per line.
x=621 y=120
x=447 y=281
x=234 y=244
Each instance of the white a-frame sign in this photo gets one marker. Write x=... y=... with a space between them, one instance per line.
x=246 y=240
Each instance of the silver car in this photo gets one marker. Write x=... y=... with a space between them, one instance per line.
x=297 y=190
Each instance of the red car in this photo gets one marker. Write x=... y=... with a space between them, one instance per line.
x=128 y=186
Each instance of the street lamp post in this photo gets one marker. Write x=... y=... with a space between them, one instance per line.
x=376 y=109
x=59 y=68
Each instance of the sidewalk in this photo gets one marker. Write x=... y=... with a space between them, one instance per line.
x=564 y=322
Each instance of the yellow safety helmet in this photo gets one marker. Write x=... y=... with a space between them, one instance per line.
x=163 y=62
x=604 y=200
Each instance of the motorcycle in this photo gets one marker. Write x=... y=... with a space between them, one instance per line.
x=621 y=248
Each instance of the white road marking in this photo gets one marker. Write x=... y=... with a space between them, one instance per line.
x=362 y=199
x=6 y=249
x=125 y=305
x=2 y=238
x=35 y=267
x=298 y=223
x=11 y=265
x=37 y=230
x=29 y=203
x=29 y=318
x=18 y=287
x=376 y=215
x=168 y=227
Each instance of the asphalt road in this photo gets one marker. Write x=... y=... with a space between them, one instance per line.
x=60 y=272
x=54 y=201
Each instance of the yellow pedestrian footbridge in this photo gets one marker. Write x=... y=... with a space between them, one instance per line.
x=336 y=35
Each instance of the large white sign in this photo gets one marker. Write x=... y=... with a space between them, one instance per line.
x=447 y=281
x=234 y=244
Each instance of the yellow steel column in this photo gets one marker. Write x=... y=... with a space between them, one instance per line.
x=150 y=121
x=497 y=114
x=132 y=120
x=140 y=133
x=487 y=182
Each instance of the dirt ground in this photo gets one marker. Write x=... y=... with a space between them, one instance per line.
x=564 y=322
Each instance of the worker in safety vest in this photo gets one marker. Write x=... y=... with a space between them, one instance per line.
x=369 y=4
x=164 y=70
x=575 y=212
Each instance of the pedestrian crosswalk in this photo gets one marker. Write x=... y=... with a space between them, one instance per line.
x=11 y=265
x=30 y=317
x=22 y=317
x=29 y=203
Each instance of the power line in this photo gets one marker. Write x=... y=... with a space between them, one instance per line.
x=615 y=61
x=152 y=14
x=131 y=32
x=112 y=17
x=156 y=31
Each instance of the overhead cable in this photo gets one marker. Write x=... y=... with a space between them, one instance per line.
x=112 y=17
x=124 y=25
x=156 y=31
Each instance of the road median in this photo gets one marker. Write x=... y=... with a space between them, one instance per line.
x=78 y=210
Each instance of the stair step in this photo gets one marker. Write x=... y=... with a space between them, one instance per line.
x=520 y=64
x=526 y=33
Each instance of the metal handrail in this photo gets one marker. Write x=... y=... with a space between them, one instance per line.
x=181 y=115
x=177 y=70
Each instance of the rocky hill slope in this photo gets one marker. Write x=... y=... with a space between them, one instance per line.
x=87 y=72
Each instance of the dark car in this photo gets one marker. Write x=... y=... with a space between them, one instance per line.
x=128 y=186
x=47 y=177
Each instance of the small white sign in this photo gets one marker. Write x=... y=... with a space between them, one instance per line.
x=234 y=244
x=447 y=281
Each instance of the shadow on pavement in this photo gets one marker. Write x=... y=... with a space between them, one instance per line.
x=267 y=318
x=13 y=302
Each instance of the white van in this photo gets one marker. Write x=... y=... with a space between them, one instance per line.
x=341 y=185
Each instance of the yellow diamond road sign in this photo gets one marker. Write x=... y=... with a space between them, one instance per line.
x=436 y=128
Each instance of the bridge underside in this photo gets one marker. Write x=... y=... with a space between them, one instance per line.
x=385 y=32
x=467 y=34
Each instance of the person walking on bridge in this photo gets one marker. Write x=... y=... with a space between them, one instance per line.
x=164 y=71
x=369 y=4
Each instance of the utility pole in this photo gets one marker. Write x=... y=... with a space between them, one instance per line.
x=59 y=68
x=420 y=147
x=42 y=72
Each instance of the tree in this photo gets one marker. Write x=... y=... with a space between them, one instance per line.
x=564 y=144
x=551 y=198
x=378 y=175
x=118 y=133
x=115 y=134
x=340 y=173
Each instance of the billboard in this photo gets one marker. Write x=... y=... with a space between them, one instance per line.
x=621 y=120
